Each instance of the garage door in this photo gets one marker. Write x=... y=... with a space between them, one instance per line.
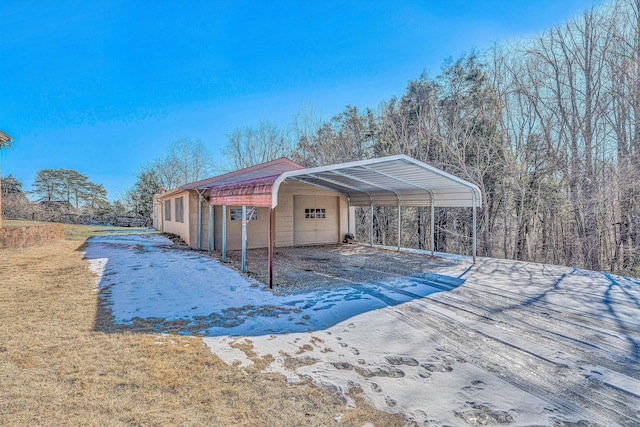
x=315 y=220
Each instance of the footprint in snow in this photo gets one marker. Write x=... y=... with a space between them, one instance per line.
x=380 y=371
x=476 y=387
x=354 y=351
x=343 y=366
x=436 y=367
x=402 y=360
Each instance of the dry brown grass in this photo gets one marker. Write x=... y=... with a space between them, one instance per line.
x=57 y=368
x=72 y=231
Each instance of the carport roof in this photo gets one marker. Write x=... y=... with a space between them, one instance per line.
x=385 y=181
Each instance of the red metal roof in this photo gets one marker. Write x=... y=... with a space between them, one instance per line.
x=253 y=191
x=274 y=167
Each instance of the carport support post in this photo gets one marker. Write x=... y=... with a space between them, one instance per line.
x=399 y=224
x=224 y=233
x=371 y=226
x=244 y=238
x=272 y=235
x=210 y=228
x=199 y=219
x=473 y=231
x=433 y=228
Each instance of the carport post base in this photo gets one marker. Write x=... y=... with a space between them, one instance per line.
x=272 y=235
x=224 y=233
x=244 y=238
x=210 y=242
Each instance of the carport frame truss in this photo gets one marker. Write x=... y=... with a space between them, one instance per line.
x=387 y=181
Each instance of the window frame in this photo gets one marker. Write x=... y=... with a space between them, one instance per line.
x=179 y=207
x=167 y=210
x=235 y=214
x=315 y=213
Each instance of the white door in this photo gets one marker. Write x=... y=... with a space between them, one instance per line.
x=315 y=220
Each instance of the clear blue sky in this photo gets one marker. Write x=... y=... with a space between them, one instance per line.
x=104 y=86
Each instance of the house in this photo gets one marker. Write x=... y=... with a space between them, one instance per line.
x=285 y=204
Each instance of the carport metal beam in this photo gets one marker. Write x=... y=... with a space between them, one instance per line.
x=224 y=233
x=367 y=182
x=397 y=162
x=432 y=201
x=244 y=238
x=340 y=184
x=210 y=245
x=272 y=237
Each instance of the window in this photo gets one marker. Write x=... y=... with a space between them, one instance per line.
x=315 y=213
x=179 y=209
x=167 y=210
x=236 y=214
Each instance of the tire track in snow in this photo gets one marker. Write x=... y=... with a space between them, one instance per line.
x=544 y=328
x=539 y=376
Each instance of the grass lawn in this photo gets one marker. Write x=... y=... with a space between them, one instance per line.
x=72 y=231
x=56 y=368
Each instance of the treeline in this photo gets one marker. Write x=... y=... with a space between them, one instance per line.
x=59 y=195
x=548 y=128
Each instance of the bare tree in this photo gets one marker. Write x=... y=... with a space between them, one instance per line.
x=252 y=145
x=186 y=160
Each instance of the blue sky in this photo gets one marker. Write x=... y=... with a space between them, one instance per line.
x=104 y=86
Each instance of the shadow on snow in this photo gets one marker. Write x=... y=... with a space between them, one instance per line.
x=146 y=286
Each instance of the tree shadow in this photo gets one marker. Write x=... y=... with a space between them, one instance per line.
x=613 y=303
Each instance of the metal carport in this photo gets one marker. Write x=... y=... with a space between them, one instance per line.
x=387 y=181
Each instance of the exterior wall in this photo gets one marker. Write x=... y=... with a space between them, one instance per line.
x=194 y=200
x=285 y=209
x=25 y=236
x=257 y=230
x=173 y=226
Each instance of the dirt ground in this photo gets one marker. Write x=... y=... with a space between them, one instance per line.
x=309 y=268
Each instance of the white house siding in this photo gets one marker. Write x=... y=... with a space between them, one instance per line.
x=258 y=230
x=173 y=226
x=193 y=220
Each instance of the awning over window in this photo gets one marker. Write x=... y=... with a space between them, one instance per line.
x=250 y=192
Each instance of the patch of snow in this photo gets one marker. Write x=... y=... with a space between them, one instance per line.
x=498 y=342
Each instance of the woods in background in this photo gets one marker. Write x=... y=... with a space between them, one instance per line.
x=548 y=128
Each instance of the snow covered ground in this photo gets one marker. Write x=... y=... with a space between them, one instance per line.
x=499 y=342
